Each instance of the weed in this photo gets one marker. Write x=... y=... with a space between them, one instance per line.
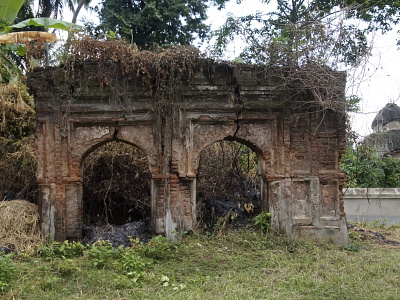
x=394 y=226
x=67 y=271
x=355 y=236
x=127 y=260
x=132 y=264
x=263 y=221
x=50 y=283
x=7 y=271
x=378 y=223
x=51 y=249
x=103 y=253
x=359 y=224
x=166 y=282
x=158 y=247
x=355 y=242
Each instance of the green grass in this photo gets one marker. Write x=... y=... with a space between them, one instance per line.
x=242 y=264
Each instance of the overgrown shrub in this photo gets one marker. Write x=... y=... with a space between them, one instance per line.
x=227 y=184
x=116 y=185
x=364 y=169
x=226 y=167
x=17 y=160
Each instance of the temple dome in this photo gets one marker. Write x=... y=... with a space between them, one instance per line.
x=390 y=113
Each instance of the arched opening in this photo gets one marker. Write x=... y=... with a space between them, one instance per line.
x=228 y=184
x=116 y=186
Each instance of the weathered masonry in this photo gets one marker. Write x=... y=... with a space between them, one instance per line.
x=298 y=144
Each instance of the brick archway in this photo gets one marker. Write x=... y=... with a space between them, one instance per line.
x=115 y=184
x=298 y=143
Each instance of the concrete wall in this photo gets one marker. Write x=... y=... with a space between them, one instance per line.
x=367 y=205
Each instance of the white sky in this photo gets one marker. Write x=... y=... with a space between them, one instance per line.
x=379 y=79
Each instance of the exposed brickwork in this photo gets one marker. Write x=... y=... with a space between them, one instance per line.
x=298 y=145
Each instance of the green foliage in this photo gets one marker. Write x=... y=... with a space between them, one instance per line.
x=378 y=14
x=166 y=282
x=148 y=22
x=296 y=33
x=378 y=223
x=47 y=23
x=353 y=103
x=131 y=264
x=103 y=253
x=51 y=250
x=8 y=13
x=127 y=260
x=9 y=10
x=355 y=243
x=299 y=32
x=50 y=283
x=364 y=169
x=158 y=247
x=220 y=268
x=263 y=221
x=7 y=271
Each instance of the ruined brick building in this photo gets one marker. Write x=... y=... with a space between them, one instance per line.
x=298 y=143
x=385 y=139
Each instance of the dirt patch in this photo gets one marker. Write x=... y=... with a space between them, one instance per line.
x=388 y=236
x=118 y=235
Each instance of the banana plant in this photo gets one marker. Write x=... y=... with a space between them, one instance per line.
x=9 y=10
x=17 y=40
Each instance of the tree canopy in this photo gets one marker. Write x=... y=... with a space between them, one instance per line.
x=364 y=169
x=162 y=22
x=299 y=31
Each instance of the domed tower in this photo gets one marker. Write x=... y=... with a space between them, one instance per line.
x=387 y=119
x=385 y=139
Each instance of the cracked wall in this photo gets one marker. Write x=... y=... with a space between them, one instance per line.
x=298 y=145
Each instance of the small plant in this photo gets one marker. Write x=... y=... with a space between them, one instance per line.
x=263 y=221
x=166 y=282
x=7 y=271
x=131 y=263
x=353 y=246
x=50 y=283
x=103 y=253
x=355 y=236
x=394 y=226
x=378 y=223
x=355 y=242
x=51 y=249
x=156 y=248
x=127 y=260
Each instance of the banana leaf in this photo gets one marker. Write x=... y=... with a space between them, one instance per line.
x=9 y=10
x=47 y=23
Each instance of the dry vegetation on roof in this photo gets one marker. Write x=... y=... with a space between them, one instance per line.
x=164 y=70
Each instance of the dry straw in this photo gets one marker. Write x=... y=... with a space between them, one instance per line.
x=19 y=221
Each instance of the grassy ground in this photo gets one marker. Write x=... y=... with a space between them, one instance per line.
x=240 y=264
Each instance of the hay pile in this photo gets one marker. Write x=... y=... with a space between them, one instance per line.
x=19 y=225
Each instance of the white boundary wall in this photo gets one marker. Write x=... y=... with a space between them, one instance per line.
x=367 y=205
